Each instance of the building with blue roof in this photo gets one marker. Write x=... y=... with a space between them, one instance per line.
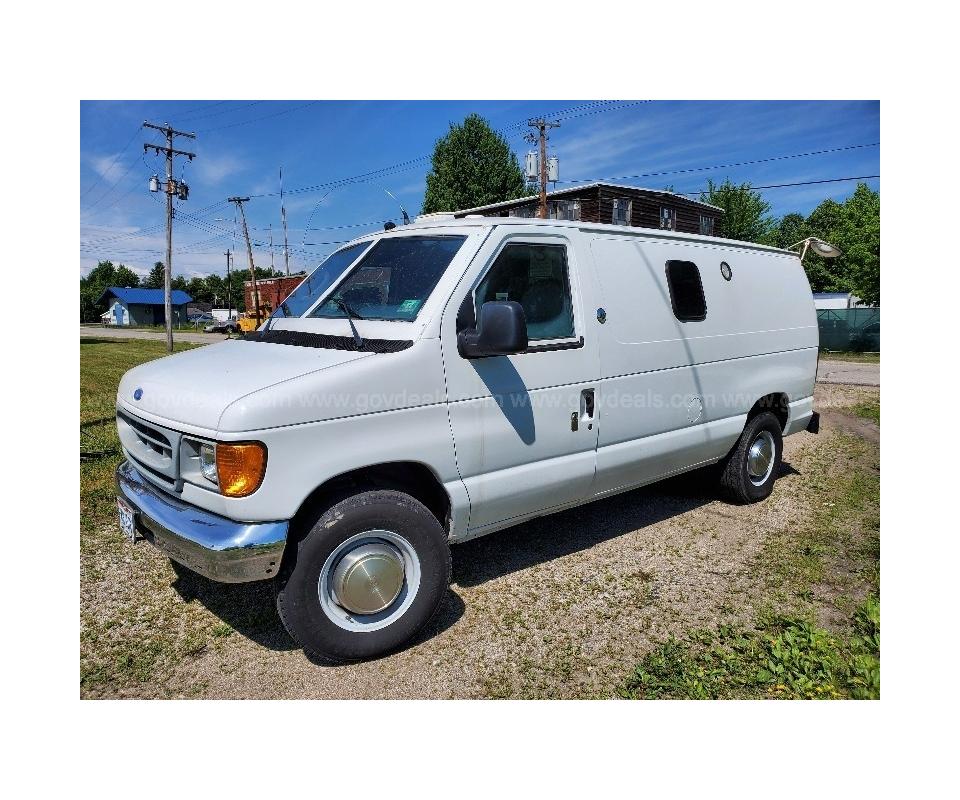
x=142 y=306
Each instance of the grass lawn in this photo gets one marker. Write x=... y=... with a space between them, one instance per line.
x=102 y=364
x=857 y=358
x=810 y=639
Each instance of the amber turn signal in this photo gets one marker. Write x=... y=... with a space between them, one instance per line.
x=240 y=467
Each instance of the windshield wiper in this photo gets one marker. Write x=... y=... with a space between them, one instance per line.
x=351 y=315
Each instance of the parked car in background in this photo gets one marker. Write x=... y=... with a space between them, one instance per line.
x=223 y=326
x=443 y=380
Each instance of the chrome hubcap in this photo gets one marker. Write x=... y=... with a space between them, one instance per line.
x=369 y=581
x=760 y=458
x=368 y=578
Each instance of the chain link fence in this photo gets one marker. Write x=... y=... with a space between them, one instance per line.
x=849 y=329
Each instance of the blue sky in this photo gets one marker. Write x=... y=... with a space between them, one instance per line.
x=242 y=144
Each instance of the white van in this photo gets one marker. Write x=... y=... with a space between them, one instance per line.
x=450 y=378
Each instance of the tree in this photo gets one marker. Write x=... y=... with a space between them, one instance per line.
x=854 y=227
x=792 y=229
x=155 y=279
x=125 y=277
x=472 y=166
x=746 y=215
x=92 y=287
x=199 y=290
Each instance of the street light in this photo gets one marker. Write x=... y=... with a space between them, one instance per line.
x=819 y=246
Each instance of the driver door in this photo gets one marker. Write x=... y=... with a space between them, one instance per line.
x=525 y=426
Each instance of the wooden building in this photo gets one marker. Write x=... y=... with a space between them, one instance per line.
x=615 y=205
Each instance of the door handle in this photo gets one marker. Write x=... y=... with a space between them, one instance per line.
x=586 y=402
x=587 y=398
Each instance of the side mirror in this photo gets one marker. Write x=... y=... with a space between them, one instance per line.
x=501 y=331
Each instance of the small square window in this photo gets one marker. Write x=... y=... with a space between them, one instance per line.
x=668 y=219
x=686 y=291
x=706 y=225
x=564 y=209
x=622 y=211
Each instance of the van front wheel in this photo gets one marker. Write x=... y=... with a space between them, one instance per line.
x=751 y=468
x=371 y=572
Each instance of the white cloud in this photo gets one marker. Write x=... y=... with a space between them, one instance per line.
x=213 y=170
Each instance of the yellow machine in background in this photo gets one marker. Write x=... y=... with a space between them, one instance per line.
x=247 y=320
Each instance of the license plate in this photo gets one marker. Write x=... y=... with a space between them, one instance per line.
x=128 y=520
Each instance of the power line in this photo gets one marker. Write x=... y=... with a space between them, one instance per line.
x=153 y=228
x=783 y=185
x=403 y=166
x=216 y=113
x=102 y=175
x=258 y=119
x=112 y=187
x=201 y=107
x=727 y=166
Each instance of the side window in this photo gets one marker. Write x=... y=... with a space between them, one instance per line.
x=706 y=225
x=686 y=291
x=668 y=219
x=621 y=211
x=536 y=276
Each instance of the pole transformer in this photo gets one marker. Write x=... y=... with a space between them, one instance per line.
x=171 y=187
x=542 y=126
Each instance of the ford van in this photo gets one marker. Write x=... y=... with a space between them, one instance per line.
x=453 y=377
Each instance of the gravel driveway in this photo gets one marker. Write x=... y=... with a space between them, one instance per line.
x=848 y=372
x=179 y=335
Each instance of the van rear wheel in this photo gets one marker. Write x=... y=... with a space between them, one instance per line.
x=751 y=468
x=369 y=574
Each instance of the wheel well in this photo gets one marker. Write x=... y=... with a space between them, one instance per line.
x=409 y=477
x=777 y=403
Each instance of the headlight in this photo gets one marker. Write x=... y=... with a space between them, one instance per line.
x=208 y=462
x=240 y=467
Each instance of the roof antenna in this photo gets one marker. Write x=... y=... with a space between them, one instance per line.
x=406 y=216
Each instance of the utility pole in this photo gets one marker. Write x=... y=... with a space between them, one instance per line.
x=270 y=227
x=283 y=216
x=229 y=290
x=246 y=235
x=542 y=125
x=172 y=187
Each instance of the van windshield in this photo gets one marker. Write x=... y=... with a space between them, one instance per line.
x=321 y=279
x=393 y=279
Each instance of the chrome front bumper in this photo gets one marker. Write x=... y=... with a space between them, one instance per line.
x=216 y=547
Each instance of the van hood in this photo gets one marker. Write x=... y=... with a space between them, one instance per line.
x=195 y=387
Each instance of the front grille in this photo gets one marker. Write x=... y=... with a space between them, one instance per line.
x=151 y=437
x=153 y=449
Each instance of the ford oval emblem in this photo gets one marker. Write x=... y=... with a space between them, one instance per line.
x=137 y=393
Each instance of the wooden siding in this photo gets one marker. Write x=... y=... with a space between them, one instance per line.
x=596 y=205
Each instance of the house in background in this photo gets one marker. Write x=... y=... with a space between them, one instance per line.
x=613 y=204
x=142 y=306
x=272 y=291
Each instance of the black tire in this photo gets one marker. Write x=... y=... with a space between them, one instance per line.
x=735 y=478
x=298 y=599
